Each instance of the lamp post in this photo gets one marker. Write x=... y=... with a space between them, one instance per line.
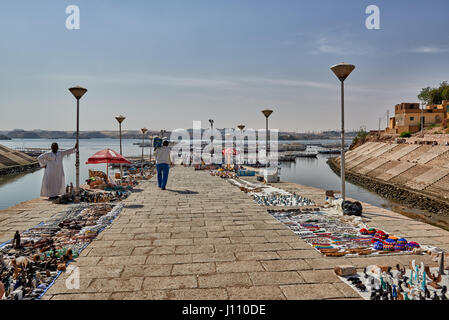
x=267 y=113
x=342 y=71
x=211 y=121
x=241 y=127
x=120 y=119
x=422 y=118
x=77 y=92
x=144 y=130
x=151 y=147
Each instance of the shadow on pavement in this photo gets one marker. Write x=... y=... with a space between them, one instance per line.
x=134 y=206
x=183 y=191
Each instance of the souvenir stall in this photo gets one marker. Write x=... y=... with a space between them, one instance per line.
x=32 y=260
x=399 y=282
x=266 y=195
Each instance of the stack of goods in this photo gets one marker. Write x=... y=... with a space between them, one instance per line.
x=276 y=199
x=399 y=283
x=352 y=208
x=94 y=196
x=31 y=262
x=332 y=236
x=390 y=243
x=246 y=173
x=224 y=174
x=97 y=179
x=265 y=195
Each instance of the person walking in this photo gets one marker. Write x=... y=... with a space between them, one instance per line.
x=163 y=162
x=53 y=183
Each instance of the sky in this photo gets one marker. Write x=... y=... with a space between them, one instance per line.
x=164 y=64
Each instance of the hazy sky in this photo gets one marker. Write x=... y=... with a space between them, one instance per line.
x=163 y=64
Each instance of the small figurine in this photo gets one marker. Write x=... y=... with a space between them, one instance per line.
x=382 y=282
x=423 y=284
x=16 y=240
x=400 y=286
x=442 y=263
x=427 y=292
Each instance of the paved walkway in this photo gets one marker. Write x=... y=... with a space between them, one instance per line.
x=205 y=239
x=25 y=215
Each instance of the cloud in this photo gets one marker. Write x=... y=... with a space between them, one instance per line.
x=235 y=84
x=430 y=49
x=338 y=45
x=188 y=81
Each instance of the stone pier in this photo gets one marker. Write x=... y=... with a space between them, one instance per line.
x=203 y=238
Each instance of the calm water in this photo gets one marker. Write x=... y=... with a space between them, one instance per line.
x=22 y=187
x=315 y=172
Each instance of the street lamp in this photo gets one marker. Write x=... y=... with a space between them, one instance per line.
x=120 y=119
x=267 y=113
x=241 y=127
x=342 y=71
x=144 y=130
x=151 y=147
x=211 y=138
x=77 y=92
x=422 y=118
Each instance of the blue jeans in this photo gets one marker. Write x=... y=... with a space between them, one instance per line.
x=162 y=174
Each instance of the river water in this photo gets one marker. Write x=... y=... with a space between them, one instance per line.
x=307 y=171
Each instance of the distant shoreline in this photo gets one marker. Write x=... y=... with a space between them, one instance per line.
x=84 y=135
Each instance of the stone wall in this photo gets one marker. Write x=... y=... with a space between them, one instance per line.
x=417 y=176
x=12 y=161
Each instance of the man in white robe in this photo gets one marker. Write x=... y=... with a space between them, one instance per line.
x=53 y=183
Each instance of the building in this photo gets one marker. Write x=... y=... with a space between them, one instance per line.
x=407 y=117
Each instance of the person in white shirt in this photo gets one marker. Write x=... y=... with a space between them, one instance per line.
x=53 y=183
x=163 y=162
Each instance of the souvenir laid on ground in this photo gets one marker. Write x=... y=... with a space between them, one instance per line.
x=266 y=195
x=222 y=173
x=334 y=236
x=415 y=282
x=32 y=261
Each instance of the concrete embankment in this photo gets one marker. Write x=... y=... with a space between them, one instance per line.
x=12 y=161
x=411 y=174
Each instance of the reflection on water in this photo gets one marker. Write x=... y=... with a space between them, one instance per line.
x=315 y=172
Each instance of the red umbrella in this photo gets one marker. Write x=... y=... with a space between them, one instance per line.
x=230 y=151
x=107 y=156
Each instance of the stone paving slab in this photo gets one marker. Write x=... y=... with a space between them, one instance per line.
x=403 y=150
x=357 y=161
x=396 y=170
x=429 y=177
x=371 y=166
x=383 y=150
x=26 y=215
x=434 y=152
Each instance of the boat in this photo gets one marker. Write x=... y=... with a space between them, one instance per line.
x=306 y=154
x=287 y=157
x=329 y=151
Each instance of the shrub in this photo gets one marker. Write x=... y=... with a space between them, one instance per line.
x=405 y=134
